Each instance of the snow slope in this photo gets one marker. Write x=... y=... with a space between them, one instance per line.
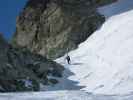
x=104 y=62
x=61 y=95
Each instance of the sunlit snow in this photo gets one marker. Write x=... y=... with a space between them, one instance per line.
x=104 y=62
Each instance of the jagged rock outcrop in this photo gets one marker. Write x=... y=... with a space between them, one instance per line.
x=52 y=27
x=21 y=70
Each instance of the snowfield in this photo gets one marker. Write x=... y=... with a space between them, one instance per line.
x=101 y=67
x=61 y=95
x=104 y=62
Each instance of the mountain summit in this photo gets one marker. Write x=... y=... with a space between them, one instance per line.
x=54 y=27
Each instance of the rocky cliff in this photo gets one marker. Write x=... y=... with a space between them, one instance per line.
x=53 y=27
x=21 y=70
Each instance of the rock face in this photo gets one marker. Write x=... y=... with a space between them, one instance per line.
x=21 y=70
x=53 y=27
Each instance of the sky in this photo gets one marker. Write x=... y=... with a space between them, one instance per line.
x=9 y=10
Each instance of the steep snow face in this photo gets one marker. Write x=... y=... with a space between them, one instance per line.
x=104 y=62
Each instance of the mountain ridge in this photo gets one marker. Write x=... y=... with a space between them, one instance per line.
x=54 y=27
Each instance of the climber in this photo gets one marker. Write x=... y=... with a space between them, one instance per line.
x=68 y=59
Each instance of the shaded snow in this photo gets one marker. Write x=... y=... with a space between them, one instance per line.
x=119 y=7
x=64 y=83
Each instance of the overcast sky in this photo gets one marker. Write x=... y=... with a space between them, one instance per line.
x=9 y=9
